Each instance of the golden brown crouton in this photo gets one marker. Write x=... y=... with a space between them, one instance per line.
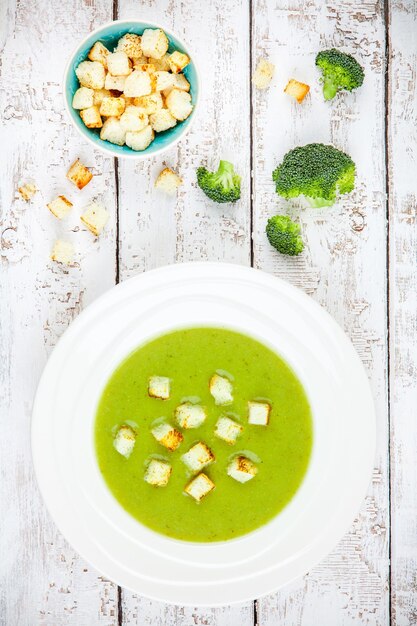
x=177 y=61
x=297 y=90
x=168 y=181
x=60 y=207
x=91 y=117
x=79 y=174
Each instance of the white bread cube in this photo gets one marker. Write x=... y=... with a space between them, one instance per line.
x=62 y=252
x=198 y=457
x=95 y=217
x=168 y=181
x=154 y=43
x=158 y=473
x=140 y=139
x=167 y=436
x=162 y=120
x=221 y=389
x=91 y=74
x=91 y=117
x=199 y=487
x=60 y=207
x=137 y=84
x=124 y=441
x=228 y=430
x=242 y=469
x=258 y=413
x=179 y=104
x=159 y=387
x=113 y=131
x=149 y=104
x=99 y=95
x=162 y=63
x=296 y=89
x=83 y=98
x=180 y=82
x=112 y=107
x=190 y=415
x=263 y=74
x=177 y=61
x=130 y=45
x=79 y=174
x=115 y=83
x=99 y=53
x=118 y=64
x=27 y=191
x=163 y=80
x=133 y=120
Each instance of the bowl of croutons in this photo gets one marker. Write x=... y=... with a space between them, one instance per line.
x=131 y=89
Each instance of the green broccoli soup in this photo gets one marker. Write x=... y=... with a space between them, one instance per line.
x=203 y=434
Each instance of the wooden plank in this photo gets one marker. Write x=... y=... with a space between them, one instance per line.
x=402 y=185
x=43 y=581
x=343 y=267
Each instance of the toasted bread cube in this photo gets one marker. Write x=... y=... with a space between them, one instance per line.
x=112 y=107
x=99 y=95
x=95 y=217
x=242 y=469
x=199 y=487
x=297 y=90
x=258 y=413
x=62 y=252
x=99 y=53
x=179 y=104
x=177 y=61
x=167 y=436
x=140 y=60
x=79 y=174
x=27 y=191
x=263 y=74
x=162 y=120
x=130 y=45
x=198 y=457
x=168 y=181
x=118 y=64
x=115 y=83
x=228 y=430
x=149 y=104
x=140 y=139
x=138 y=84
x=113 y=131
x=91 y=74
x=221 y=389
x=133 y=120
x=159 y=387
x=60 y=207
x=162 y=63
x=190 y=415
x=180 y=82
x=154 y=43
x=124 y=441
x=149 y=68
x=83 y=98
x=163 y=80
x=91 y=117
x=158 y=473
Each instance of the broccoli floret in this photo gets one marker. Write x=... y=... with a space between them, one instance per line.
x=316 y=171
x=284 y=235
x=340 y=71
x=220 y=186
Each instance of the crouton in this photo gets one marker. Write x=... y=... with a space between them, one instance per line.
x=115 y=83
x=263 y=74
x=83 y=98
x=159 y=387
x=179 y=104
x=113 y=131
x=258 y=413
x=149 y=104
x=221 y=389
x=62 y=252
x=198 y=457
x=168 y=181
x=228 y=430
x=60 y=207
x=163 y=80
x=180 y=82
x=99 y=53
x=141 y=139
x=91 y=117
x=124 y=441
x=297 y=90
x=162 y=120
x=95 y=217
x=133 y=120
x=140 y=60
x=118 y=64
x=79 y=174
x=137 y=84
x=158 y=473
x=145 y=67
x=130 y=45
x=91 y=74
x=190 y=415
x=99 y=95
x=167 y=436
x=112 y=107
x=199 y=487
x=177 y=61
x=27 y=191
x=242 y=469
x=154 y=43
x=162 y=63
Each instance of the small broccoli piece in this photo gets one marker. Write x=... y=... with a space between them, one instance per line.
x=220 y=186
x=284 y=235
x=316 y=171
x=340 y=71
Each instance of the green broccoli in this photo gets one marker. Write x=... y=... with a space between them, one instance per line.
x=340 y=71
x=220 y=186
x=316 y=171
x=284 y=235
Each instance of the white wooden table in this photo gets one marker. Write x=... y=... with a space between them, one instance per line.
x=359 y=263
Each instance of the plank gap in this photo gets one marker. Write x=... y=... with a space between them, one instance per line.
x=251 y=218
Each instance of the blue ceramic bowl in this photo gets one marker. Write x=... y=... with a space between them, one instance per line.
x=109 y=36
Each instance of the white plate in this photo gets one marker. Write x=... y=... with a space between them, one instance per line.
x=198 y=294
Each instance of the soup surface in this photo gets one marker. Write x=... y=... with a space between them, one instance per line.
x=280 y=450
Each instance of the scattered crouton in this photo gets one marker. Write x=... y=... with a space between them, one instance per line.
x=60 y=207
x=118 y=64
x=154 y=43
x=91 y=74
x=62 y=252
x=180 y=82
x=263 y=74
x=198 y=457
x=91 y=117
x=133 y=120
x=112 y=107
x=83 y=98
x=95 y=217
x=258 y=413
x=179 y=104
x=141 y=139
x=190 y=415
x=79 y=174
x=167 y=436
x=113 y=131
x=138 y=84
x=297 y=90
x=124 y=441
x=221 y=389
x=158 y=473
x=177 y=61
x=199 y=487
x=242 y=469
x=99 y=96
x=130 y=45
x=149 y=104
x=99 y=53
x=159 y=387
x=162 y=120
x=163 y=80
x=27 y=191
x=168 y=181
x=228 y=430
x=115 y=83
